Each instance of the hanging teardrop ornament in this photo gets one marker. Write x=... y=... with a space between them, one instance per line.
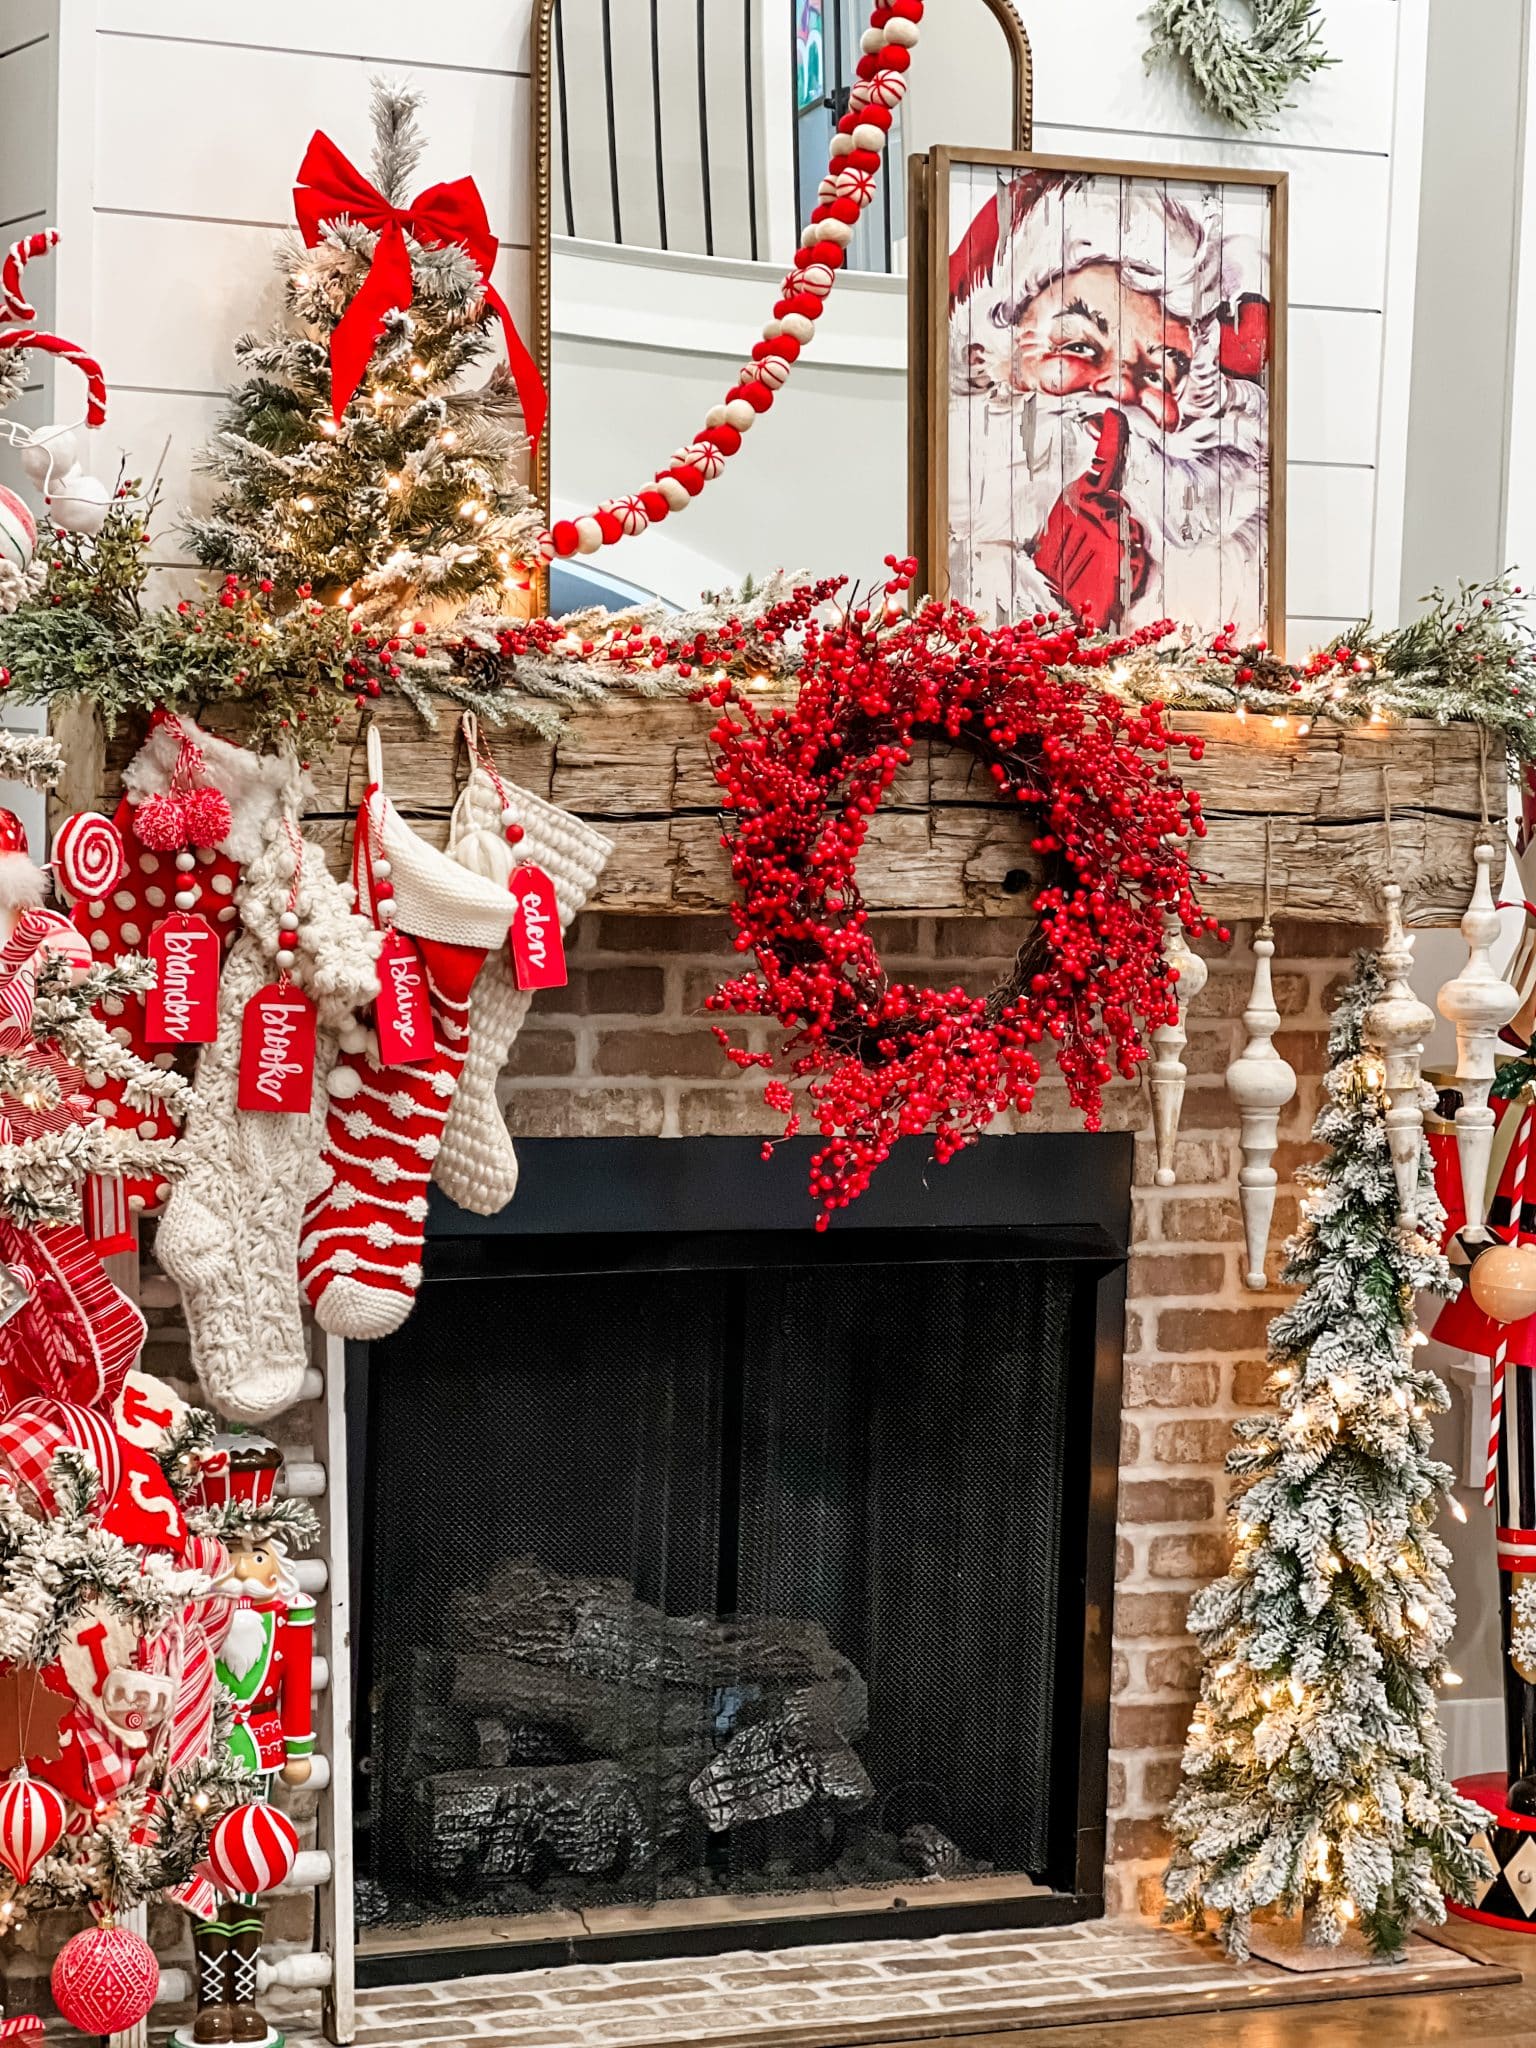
x=1167 y=1072
x=1479 y=1003
x=1398 y=1025
x=1261 y=1083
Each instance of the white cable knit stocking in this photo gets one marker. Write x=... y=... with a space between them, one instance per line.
x=230 y=1234
x=477 y=1165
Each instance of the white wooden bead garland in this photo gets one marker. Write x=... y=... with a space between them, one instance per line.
x=1479 y=1003
x=1261 y=1083
x=1167 y=1073
x=851 y=184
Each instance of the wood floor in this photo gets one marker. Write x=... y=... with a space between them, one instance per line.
x=1467 y=2019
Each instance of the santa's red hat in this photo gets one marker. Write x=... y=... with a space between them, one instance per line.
x=22 y=882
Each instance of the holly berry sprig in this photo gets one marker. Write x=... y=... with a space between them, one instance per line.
x=851 y=183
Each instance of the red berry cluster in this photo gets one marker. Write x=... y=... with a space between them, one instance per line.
x=1108 y=820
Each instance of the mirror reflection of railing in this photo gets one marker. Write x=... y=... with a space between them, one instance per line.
x=703 y=126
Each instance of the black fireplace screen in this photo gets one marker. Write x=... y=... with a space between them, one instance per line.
x=719 y=1582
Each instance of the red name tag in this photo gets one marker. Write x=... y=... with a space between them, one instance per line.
x=403 y=1014
x=277 y=1051
x=538 y=946
x=183 y=1006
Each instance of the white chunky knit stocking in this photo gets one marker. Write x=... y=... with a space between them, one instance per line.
x=360 y=1254
x=231 y=1230
x=477 y=1165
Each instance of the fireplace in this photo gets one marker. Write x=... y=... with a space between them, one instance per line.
x=765 y=1584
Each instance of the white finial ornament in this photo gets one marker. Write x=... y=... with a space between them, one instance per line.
x=1261 y=1083
x=1167 y=1073
x=1398 y=1024
x=1479 y=1004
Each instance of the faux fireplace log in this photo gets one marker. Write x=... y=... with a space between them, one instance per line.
x=940 y=846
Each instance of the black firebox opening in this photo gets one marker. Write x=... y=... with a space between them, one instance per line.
x=721 y=1583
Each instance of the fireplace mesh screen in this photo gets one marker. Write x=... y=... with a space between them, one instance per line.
x=714 y=1583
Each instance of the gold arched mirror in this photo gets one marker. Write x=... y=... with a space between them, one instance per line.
x=677 y=145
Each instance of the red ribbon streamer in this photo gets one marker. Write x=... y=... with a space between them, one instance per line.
x=330 y=188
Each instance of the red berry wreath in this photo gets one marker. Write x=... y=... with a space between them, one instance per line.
x=1109 y=817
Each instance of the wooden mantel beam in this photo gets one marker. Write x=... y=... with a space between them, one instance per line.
x=942 y=846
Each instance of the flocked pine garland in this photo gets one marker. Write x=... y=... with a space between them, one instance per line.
x=851 y=183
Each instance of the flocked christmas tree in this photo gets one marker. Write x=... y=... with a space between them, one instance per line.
x=409 y=500
x=1314 y=1777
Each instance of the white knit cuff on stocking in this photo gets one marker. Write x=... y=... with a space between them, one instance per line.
x=477 y=1164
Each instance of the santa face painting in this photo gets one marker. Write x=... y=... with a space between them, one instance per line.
x=1109 y=414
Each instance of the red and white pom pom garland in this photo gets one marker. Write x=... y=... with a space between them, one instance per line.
x=852 y=180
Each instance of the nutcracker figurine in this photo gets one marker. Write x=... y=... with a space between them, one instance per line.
x=1494 y=1317
x=264 y=1668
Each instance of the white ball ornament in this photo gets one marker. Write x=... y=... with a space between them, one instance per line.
x=740 y=415
x=52 y=451
x=79 y=503
x=289 y=921
x=675 y=493
x=185 y=862
x=865 y=136
x=286 y=958
x=905 y=34
x=872 y=42
x=837 y=231
x=842 y=145
x=589 y=536
x=381 y=870
x=718 y=416
x=186 y=899
x=798 y=328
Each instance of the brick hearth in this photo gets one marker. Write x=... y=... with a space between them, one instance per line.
x=624 y=1050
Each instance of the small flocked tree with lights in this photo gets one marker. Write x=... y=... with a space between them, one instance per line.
x=402 y=492
x=1314 y=1777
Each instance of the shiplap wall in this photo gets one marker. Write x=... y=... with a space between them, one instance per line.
x=185 y=124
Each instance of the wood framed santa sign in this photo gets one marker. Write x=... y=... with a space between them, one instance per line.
x=1098 y=390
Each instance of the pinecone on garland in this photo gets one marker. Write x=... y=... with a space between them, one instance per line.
x=411 y=501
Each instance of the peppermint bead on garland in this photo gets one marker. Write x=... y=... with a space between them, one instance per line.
x=1243 y=75
x=852 y=180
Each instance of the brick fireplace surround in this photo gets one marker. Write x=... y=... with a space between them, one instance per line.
x=625 y=1051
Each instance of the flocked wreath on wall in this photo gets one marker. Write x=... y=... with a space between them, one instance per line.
x=1244 y=75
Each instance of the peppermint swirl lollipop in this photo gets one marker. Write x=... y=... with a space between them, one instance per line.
x=88 y=856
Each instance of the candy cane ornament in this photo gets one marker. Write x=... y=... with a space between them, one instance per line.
x=851 y=183
x=20 y=253
x=1521 y=1180
x=38 y=341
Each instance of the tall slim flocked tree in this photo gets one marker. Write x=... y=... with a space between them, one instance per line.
x=412 y=500
x=1314 y=1777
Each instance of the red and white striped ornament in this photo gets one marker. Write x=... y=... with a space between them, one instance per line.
x=252 y=1850
x=37 y=341
x=105 y=1980
x=32 y=1821
x=17 y=257
x=18 y=530
x=851 y=183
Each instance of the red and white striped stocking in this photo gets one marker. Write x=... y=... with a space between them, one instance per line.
x=360 y=1252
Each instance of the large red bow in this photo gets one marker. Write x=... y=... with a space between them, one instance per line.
x=330 y=188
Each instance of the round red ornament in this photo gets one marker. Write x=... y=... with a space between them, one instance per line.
x=252 y=1850
x=32 y=1821
x=105 y=1980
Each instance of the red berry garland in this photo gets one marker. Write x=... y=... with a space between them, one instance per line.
x=851 y=183
x=1108 y=816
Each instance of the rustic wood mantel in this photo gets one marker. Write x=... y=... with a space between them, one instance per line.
x=942 y=845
